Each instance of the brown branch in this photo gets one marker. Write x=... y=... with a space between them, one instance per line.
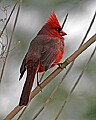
x=53 y=75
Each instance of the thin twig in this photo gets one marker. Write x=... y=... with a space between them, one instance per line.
x=3 y=46
x=8 y=19
x=53 y=75
x=6 y=32
x=64 y=21
x=68 y=70
x=89 y=28
x=2 y=71
x=75 y=85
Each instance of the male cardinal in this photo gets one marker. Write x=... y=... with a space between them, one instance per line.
x=45 y=51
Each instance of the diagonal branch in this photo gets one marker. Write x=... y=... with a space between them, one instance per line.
x=75 y=85
x=53 y=75
x=8 y=19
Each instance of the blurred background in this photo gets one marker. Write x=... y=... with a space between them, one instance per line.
x=33 y=14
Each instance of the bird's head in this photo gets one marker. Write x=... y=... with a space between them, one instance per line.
x=52 y=27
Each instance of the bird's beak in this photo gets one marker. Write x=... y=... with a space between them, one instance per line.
x=62 y=33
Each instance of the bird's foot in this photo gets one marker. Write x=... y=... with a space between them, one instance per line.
x=60 y=65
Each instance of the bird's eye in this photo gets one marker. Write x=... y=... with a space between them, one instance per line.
x=58 y=29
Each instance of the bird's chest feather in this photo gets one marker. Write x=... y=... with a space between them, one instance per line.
x=60 y=49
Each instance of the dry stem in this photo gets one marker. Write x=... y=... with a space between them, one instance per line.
x=8 y=19
x=2 y=71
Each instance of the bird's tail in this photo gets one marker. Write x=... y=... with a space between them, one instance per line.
x=31 y=71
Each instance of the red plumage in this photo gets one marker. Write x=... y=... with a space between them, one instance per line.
x=45 y=51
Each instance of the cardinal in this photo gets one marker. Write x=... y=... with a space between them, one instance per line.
x=45 y=51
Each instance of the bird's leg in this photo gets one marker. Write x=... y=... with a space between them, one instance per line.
x=60 y=65
x=38 y=83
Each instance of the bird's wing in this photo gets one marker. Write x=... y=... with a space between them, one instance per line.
x=51 y=50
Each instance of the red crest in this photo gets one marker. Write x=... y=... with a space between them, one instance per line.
x=53 y=21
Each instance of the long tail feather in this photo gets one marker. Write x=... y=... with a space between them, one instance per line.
x=31 y=71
